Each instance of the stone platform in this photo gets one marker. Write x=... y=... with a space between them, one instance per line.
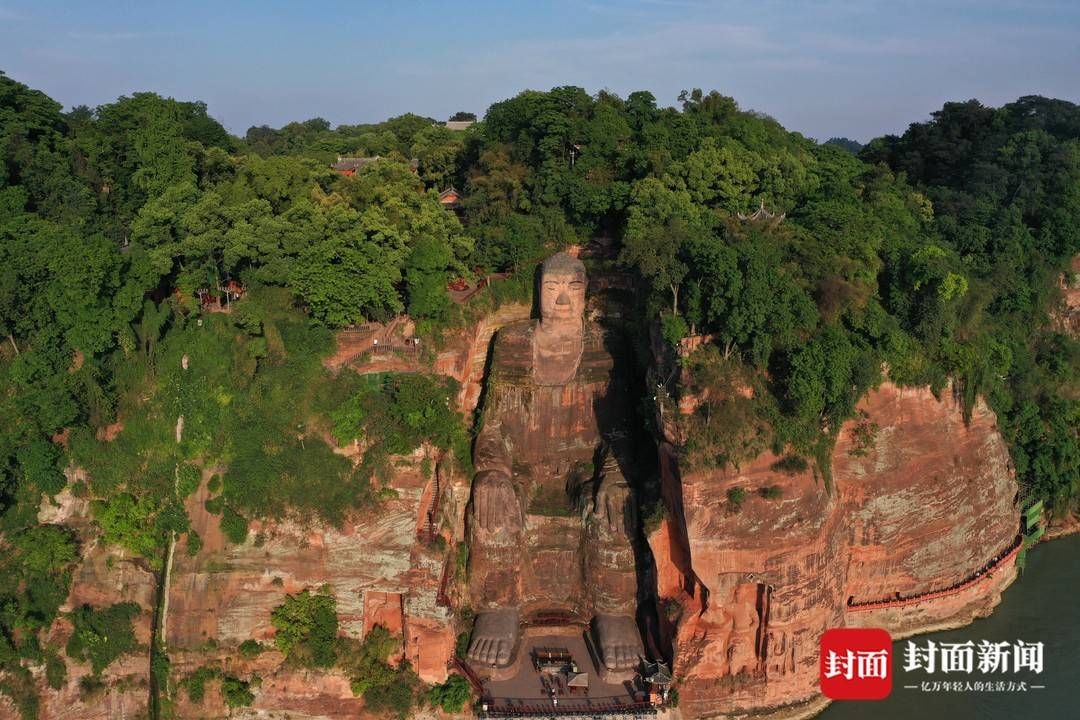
x=519 y=689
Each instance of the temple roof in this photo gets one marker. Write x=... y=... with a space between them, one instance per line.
x=658 y=673
x=353 y=163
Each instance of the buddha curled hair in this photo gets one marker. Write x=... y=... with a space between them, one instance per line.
x=563 y=264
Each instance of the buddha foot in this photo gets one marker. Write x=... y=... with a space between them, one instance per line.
x=618 y=641
x=494 y=636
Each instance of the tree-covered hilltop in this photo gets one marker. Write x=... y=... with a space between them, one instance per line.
x=1005 y=188
x=933 y=256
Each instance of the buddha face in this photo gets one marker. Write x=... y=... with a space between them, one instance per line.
x=562 y=295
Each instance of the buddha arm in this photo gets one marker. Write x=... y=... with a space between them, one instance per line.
x=491 y=453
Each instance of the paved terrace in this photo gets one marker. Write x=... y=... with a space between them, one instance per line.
x=529 y=692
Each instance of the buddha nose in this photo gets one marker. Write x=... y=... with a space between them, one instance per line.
x=563 y=299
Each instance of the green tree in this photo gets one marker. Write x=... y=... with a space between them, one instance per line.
x=306 y=627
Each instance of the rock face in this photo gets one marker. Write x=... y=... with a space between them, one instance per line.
x=377 y=569
x=919 y=506
x=104 y=576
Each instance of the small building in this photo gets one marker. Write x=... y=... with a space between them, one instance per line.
x=450 y=198
x=349 y=165
x=658 y=679
x=459 y=125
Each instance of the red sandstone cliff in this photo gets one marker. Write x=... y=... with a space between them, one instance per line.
x=105 y=575
x=379 y=567
x=922 y=507
x=376 y=567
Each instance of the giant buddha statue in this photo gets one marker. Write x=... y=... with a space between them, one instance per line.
x=552 y=520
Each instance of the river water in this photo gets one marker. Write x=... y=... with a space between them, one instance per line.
x=1043 y=605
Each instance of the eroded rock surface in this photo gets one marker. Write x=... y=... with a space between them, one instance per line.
x=378 y=570
x=104 y=576
x=919 y=504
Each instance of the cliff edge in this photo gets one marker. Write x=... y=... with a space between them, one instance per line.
x=916 y=531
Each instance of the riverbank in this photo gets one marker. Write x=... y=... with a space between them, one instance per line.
x=1041 y=607
x=1068 y=525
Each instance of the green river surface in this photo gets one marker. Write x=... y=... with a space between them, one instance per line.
x=1043 y=605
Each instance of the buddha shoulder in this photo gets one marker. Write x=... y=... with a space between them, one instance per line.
x=512 y=354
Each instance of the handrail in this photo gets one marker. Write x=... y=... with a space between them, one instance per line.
x=568 y=706
x=979 y=576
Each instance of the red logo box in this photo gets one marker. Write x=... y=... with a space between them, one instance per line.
x=856 y=664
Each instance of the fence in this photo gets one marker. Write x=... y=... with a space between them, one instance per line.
x=610 y=706
x=979 y=576
x=406 y=347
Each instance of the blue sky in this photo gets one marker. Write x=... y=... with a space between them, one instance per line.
x=826 y=68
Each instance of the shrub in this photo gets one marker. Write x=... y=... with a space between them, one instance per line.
x=55 y=670
x=159 y=665
x=234 y=525
x=735 y=497
x=451 y=695
x=251 y=648
x=101 y=636
x=187 y=480
x=461 y=560
x=771 y=492
x=91 y=688
x=194 y=543
x=196 y=683
x=384 y=688
x=654 y=517
x=863 y=435
x=40 y=464
x=129 y=522
x=307 y=629
x=790 y=465
x=673 y=328
x=461 y=645
x=237 y=692
x=396 y=697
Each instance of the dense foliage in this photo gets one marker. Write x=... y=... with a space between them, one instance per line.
x=386 y=689
x=234 y=691
x=451 y=695
x=102 y=635
x=306 y=627
x=1005 y=186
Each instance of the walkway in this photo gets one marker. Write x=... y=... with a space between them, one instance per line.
x=998 y=561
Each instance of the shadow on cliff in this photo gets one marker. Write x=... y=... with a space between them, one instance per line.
x=634 y=450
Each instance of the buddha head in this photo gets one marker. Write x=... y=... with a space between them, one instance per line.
x=562 y=290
